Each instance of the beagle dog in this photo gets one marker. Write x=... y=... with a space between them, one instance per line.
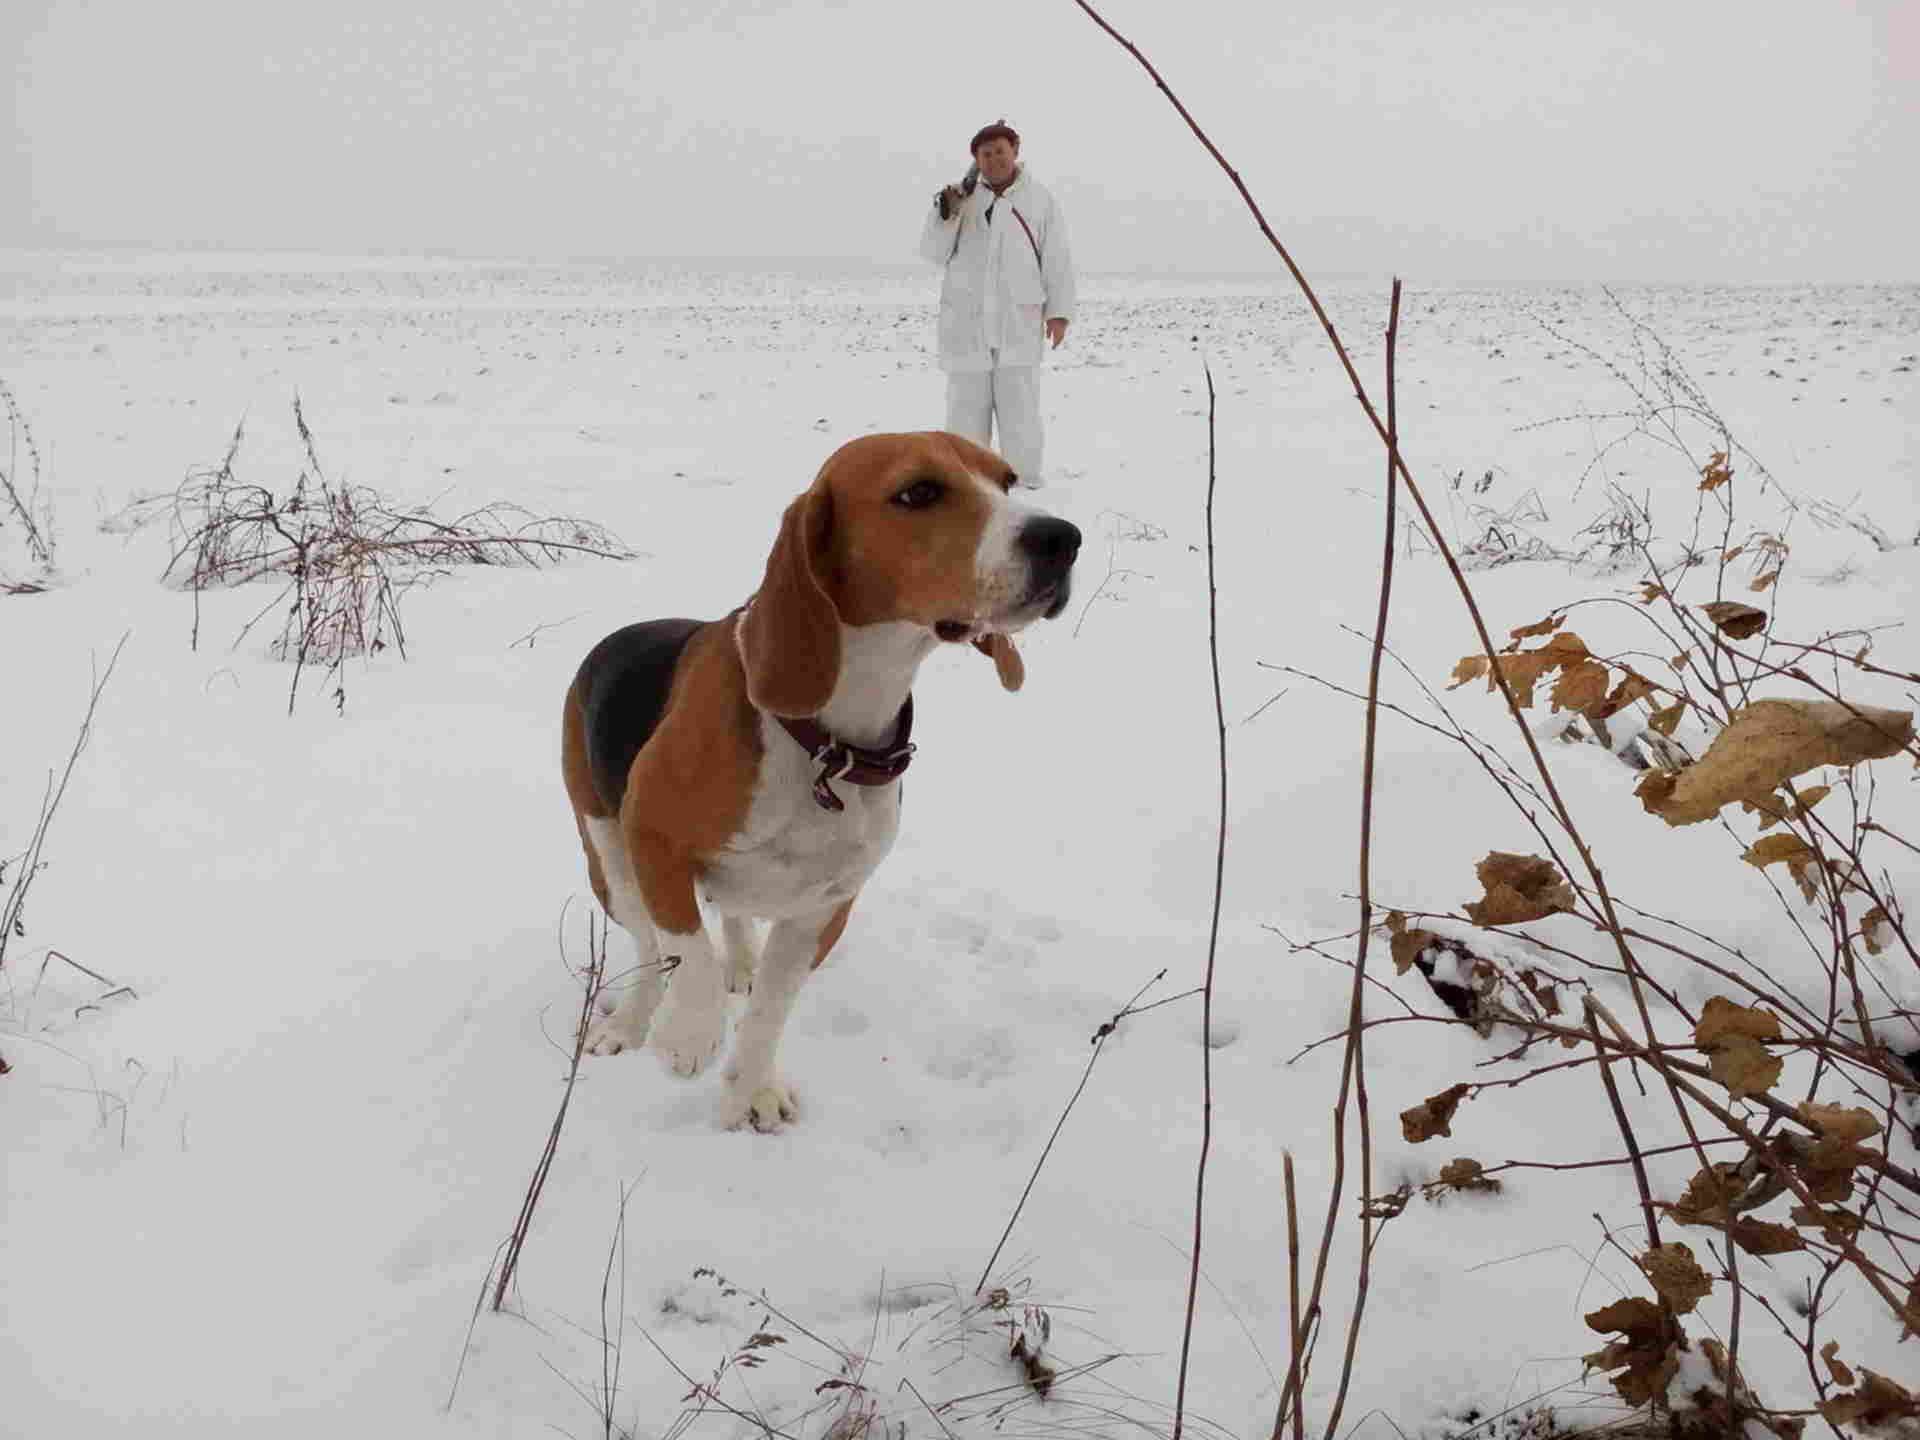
x=751 y=764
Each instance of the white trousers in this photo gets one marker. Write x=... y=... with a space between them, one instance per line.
x=1008 y=396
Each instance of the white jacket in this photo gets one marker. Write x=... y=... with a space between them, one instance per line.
x=998 y=291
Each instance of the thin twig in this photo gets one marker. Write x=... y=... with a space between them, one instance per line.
x=1213 y=930
x=589 y=997
x=1356 y=1040
x=1099 y=1041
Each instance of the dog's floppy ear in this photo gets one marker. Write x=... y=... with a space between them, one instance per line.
x=790 y=635
x=1006 y=660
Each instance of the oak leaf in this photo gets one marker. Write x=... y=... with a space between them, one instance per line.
x=1539 y=627
x=1676 y=1276
x=1471 y=667
x=1878 y=1401
x=1843 y=1123
x=1731 y=1035
x=1801 y=860
x=1734 y=620
x=1836 y=1227
x=1522 y=673
x=1518 y=888
x=1873 y=929
x=1633 y=686
x=1830 y=1352
x=1580 y=686
x=1785 y=807
x=1663 y=721
x=1721 y=1017
x=1432 y=1116
x=1406 y=946
x=1709 y=1196
x=1761 y=1237
x=1769 y=742
x=1744 y=1067
x=1649 y=1352
x=1466 y=1174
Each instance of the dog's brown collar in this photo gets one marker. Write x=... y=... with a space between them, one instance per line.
x=856 y=764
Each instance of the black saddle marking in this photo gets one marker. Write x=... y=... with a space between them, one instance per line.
x=629 y=676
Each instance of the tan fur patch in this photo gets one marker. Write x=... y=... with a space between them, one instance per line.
x=887 y=562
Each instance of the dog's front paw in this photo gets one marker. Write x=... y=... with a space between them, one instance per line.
x=687 y=1037
x=766 y=1107
x=610 y=1034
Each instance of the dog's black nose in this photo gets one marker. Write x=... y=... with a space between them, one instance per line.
x=1050 y=542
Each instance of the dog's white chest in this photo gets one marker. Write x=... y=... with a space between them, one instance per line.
x=793 y=855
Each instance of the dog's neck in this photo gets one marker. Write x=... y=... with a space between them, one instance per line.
x=877 y=666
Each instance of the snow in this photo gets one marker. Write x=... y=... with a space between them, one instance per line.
x=261 y=1191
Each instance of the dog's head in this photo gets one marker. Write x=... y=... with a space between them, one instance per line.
x=924 y=529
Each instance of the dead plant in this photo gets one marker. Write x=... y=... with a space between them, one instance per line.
x=344 y=558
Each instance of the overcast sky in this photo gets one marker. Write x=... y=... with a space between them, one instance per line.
x=1689 y=140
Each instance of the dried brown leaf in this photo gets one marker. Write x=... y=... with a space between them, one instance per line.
x=1731 y=1035
x=1522 y=672
x=1716 y=472
x=1874 y=927
x=1539 y=627
x=1769 y=742
x=1580 y=686
x=1744 y=1066
x=1878 y=1401
x=1721 y=1017
x=1763 y=582
x=1709 y=1196
x=1518 y=888
x=1734 y=620
x=1761 y=1237
x=1835 y=1226
x=1676 y=1275
x=1663 y=721
x=1830 y=1352
x=1846 y=1123
x=1648 y=1376
x=1635 y=1316
x=1406 y=947
x=1466 y=1174
x=1633 y=686
x=1772 y=849
x=1471 y=667
x=1432 y=1116
x=1651 y=591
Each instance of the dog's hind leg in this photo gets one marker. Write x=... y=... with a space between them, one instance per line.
x=640 y=986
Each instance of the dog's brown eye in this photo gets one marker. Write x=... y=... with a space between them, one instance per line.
x=919 y=495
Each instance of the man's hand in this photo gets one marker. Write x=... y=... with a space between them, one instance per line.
x=1057 y=329
x=952 y=198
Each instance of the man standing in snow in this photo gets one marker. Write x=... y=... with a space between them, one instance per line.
x=1006 y=299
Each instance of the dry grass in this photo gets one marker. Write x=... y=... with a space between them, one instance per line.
x=342 y=556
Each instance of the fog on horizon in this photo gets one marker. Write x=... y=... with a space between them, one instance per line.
x=1706 y=142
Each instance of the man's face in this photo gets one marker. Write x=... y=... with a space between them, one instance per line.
x=996 y=160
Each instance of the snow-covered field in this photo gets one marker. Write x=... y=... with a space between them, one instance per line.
x=259 y=1190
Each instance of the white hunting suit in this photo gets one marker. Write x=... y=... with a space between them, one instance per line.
x=1008 y=271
